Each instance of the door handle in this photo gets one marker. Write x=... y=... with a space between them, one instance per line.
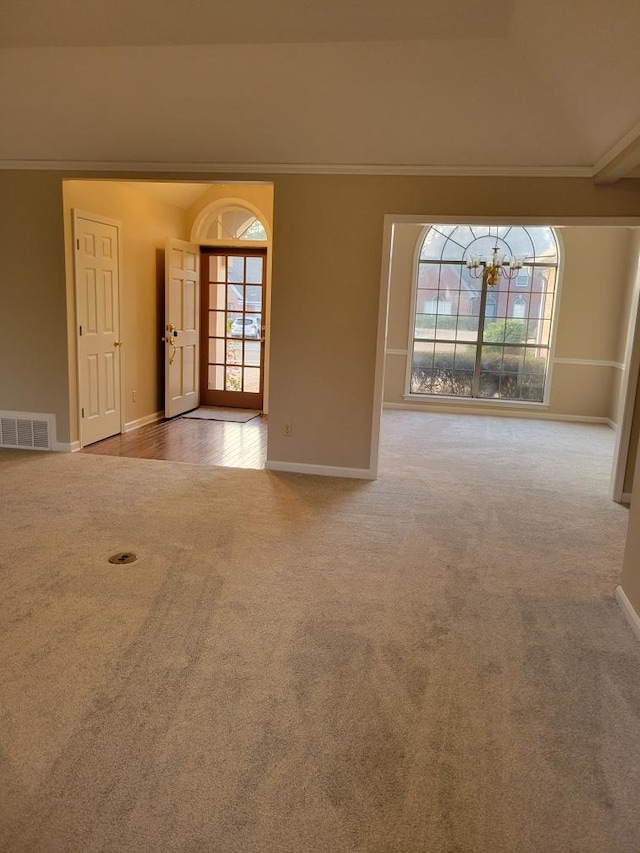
x=117 y=343
x=169 y=339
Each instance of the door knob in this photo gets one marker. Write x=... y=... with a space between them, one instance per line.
x=117 y=343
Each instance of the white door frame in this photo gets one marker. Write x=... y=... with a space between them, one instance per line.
x=103 y=220
x=628 y=391
x=391 y=219
x=198 y=234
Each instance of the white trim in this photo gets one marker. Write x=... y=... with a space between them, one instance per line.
x=555 y=315
x=301 y=168
x=551 y=221
x=381 y=345
x=209 y=212
x=492 y=402
x=612 y=424
x=620 y=160
x=415 y=272
x=625 y=498
x=627 y=608
x=202 y=223
x=558 y=273
x=322 y=470
x=628 y=388
x=621 y=145
x=71 y=447
x=77 y=214
x=392 y=219
x=589 y=362
x=140 y=422
x=452 y=407
x=397 y=352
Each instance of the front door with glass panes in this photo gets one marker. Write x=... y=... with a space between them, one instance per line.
x=232 y=327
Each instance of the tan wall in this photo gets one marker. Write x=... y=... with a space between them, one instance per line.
x=323 y=376
x=594 y=293
x=326 y=280
x=33 y=308
x=146 y=224
x=591 y=322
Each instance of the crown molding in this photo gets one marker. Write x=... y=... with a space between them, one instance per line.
x=621 y=160
x=298 y=168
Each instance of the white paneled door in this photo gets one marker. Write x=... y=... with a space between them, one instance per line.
x=97 y=279
x=181 y=327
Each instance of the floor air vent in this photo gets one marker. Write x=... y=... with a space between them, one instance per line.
x=28 y=431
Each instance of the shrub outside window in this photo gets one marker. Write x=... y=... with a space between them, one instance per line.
x=502 y=351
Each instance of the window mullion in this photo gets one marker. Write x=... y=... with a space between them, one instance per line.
x=475 y=384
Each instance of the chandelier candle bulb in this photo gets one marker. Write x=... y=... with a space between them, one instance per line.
x=490 y=269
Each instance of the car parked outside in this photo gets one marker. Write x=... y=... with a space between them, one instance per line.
x=245 y=327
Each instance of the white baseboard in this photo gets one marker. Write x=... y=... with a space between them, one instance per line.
x=513 y=411
x=625 y=498
x=74 y=446
x=322 y=470
x=627 y=608
x=140 y=422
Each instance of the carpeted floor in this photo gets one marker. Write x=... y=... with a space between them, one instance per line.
x=429 y=663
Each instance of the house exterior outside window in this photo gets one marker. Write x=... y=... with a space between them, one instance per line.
x=477 y=341
x=519 y=308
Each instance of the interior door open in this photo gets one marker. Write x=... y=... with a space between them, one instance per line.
x=233 y=331
x=181 y=327
x=97 y=270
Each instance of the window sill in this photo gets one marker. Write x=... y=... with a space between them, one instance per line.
x=475 y=402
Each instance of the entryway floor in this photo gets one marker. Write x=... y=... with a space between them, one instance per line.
x=201 y=442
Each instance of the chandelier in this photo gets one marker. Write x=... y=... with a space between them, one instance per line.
x=491 y=269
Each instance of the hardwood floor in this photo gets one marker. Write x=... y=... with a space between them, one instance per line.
x=223 y=443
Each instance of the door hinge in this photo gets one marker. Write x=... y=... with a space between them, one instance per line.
x=78 y=243
x=82 y=412
x=80 y=332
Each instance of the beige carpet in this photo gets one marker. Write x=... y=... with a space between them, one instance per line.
x=430 y=662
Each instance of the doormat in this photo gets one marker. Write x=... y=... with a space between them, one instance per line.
x=219 y=413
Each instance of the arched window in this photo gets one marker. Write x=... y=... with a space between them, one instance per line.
x=236 y=223
x=472 y=338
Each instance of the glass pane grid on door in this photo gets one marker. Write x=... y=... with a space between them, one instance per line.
x=235 y=339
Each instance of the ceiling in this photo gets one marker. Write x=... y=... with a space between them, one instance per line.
x=420 y=86
x=179 y=194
